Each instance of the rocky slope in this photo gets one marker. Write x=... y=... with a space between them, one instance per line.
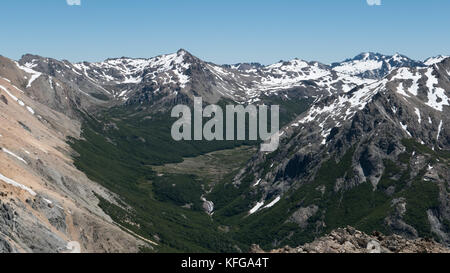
x=349 y=240
x=46 y=204
x=374 y=157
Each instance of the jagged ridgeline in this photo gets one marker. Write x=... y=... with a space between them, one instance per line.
x=363 y=143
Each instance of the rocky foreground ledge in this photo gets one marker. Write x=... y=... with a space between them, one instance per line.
x=350 y=240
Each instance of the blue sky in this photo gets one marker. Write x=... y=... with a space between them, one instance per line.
x=224 y=31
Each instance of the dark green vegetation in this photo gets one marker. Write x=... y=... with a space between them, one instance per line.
x=120 y=149
x=179 y=189
x=117 y=151
x=360 y=206
x=289 y=109
x=130 y=151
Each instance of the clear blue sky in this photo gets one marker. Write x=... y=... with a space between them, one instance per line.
x=224 y=31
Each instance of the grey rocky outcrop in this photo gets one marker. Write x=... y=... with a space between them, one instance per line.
x=349 y=240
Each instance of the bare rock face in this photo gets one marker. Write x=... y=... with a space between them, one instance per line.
x=46 y=204
x=302 y=215
x=380 y=139
x=349 y=240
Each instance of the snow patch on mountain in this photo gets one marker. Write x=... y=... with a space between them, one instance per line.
x=405 y=128
x=271 y=204
x=28 y=68
x=16 y=184
x=256 y=207
x=434 y=60
x=417 y=111
x=405 y=74
x=6 y=151
x=439 y=131
x=20 y=102
x=436 y=95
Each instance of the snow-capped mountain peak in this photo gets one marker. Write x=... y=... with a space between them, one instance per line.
x=373 y=65
x=134 y=70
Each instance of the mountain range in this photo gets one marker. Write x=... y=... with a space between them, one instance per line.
x=87 y=162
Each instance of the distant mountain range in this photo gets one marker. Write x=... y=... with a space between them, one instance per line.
x=144 y=80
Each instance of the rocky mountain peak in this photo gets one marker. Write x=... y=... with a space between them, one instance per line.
x=374 y=65
x=183 y=51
